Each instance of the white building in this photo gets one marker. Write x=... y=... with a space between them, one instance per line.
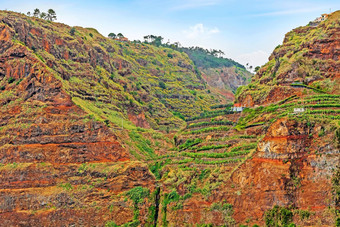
x=299 y=110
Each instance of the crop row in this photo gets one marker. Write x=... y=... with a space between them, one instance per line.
x=208 y=123
x=244 y=147
x=324 y=96
x=210 y=147
x=322 y=105
x=210 y=129
x=189 y=143
x=225 y=161
x=221 y=106
x=215 y=155
x=210 y=114
x=322 y=111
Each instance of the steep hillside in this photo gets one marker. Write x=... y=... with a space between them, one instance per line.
x=60 y=162
x=226 y=80
x=135 y=82
x=223 y=75
x=307 y=60
x=274 y=164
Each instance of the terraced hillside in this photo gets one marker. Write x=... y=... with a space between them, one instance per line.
x=307 y=60
x=277 y=162
x=97 y=132
x=225 y=166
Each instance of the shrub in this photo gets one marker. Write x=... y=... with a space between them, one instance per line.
x=137 y=194
x=162 y=85
x=178 y=114
x=189 y=143
x=278 y=216
x=18 y=82
x=72 y=31
x=11 y=80
x=111 y=224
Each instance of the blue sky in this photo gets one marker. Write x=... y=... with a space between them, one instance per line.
x=246 y=30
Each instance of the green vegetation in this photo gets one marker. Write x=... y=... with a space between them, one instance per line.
x=215 y=155
x=218 y=162
x=189 y=143
x=222 y=106
x=208 y=114
x=201 y=57
x=227 y=211
x=66 y=186
x=209 y=129
x=278 y=216
x=49 y=16
x=142 y=144
x=137 y=195
x=111 y=224
x=72 y=31
x=11 y=80
x=210 y=147
x=208 y=123
x=295 y=59
x=209 y=59
x=167 y=199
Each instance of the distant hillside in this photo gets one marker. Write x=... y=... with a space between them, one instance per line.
x=209 y=59
x=223 y=75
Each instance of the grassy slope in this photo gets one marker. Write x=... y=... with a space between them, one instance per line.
x=293 y=61
x=125 y=78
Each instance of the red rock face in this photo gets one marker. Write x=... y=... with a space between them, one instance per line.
x=51 y=151
x=225 y=80
x=284 y=172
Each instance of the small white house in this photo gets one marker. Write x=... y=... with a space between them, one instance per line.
x=299 y=110
x=237 y=107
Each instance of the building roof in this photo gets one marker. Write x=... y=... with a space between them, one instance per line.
x=237 y=105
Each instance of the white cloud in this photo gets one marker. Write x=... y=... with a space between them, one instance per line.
x=256 y=58
x=198 y=31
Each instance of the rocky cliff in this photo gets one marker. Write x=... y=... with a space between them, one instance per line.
x=226 y=80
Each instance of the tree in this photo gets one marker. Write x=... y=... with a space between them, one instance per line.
x=146 y=38
x=51 y=15
x=120 y=35
x=28 y=13
x=257 y=68
x=36 y=13
x=112 y=35
x=72 y=31
x=43 y=15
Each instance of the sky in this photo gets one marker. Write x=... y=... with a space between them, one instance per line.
x=245 y=30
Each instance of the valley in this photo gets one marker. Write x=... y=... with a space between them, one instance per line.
x=99 y=132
